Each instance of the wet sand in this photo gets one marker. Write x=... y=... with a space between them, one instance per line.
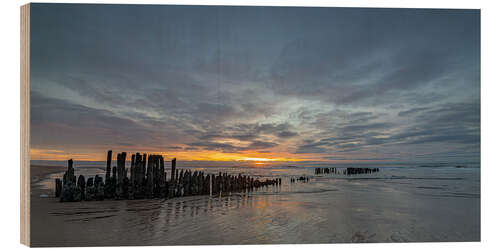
x=425 y=205
x=41 y=225
x=39 y=173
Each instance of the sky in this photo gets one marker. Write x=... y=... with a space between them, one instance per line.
x=207 y=83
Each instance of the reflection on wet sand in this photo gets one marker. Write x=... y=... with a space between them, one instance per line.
x=388 y=207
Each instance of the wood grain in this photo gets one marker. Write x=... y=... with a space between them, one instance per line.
x=25 y=124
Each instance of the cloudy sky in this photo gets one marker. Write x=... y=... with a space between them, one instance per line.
x=255 y=83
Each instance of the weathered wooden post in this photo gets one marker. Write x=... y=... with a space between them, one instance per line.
x=125 y=185
x=89 y=190
x=135 y=180
x=172 y=173
x=120 y=169
x=58 y=187
x=71 y=171
x=198 y=183
x=207 y=184
x=99 y=188
x=182 y=180
x=108 y=165
x=162 y=177
x=113 y=176
x=143 y=169
x=137 y=171
x=172 y=179
x=190 y=186
x=186 y=178
x=69 y=185
x=156 y=175
x=225 y=183
x=109 y=185
x=149 y=177
x=140 y=166
x=213 y=187
x=81 y=189
x=132 y=170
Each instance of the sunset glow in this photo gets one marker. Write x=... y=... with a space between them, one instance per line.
x=248 y=92
x=257 y=159
x=61 y=155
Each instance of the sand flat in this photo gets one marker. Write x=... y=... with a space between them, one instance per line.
x=390 y=206
x=38 y=172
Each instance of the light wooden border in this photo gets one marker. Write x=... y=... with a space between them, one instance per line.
x=25 y=124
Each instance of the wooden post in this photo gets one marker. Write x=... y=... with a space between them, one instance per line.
x=172 y=173
x=136 y=177
x=120 y=169
x=69 y=183
x=149 y=177
x=172 y=179
x=58 y=187
x=191 y=183
x=162 y=177
x=108 y=165
x=156 y=175
x=143 y=169
x=71 y=172
x=89 y=190
x=132 y=170
x=99 y=188
x=181 y=183
x=81 y=189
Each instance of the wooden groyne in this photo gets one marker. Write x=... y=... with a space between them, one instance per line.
x=147 y=178
x=346 y=171
x=301 y=179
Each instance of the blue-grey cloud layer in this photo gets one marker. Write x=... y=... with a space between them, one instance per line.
x=339 y=83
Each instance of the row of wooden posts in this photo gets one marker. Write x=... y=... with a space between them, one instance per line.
x=346 y=171
x=302 y=179
x=148 y=179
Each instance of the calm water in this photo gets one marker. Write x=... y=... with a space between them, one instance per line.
x=400 y=203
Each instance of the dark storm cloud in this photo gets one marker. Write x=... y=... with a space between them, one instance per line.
x=287 y=134
x=229 y=148
x=58 y=122
x=402 y=70
x=430 y=45
x=334 y=158
x=246 y=131
x=411 y=111
x=363 y=128
x=253 y=134
x=453 y=124
x=316 y=80
x=224 y=147
x=261 y=145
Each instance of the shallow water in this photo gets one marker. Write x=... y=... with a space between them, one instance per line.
x=397 y=204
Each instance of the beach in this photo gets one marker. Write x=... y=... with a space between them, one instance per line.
x=411 y=203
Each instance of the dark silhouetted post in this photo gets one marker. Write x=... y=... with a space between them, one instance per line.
x=108 y=165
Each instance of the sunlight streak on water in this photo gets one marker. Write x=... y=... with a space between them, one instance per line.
x=396 y=204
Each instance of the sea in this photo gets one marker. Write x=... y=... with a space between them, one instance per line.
x=403 y=202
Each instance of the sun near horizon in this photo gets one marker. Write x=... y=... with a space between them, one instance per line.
x=61 y=155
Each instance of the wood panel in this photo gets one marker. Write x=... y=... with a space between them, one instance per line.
x=25 y=124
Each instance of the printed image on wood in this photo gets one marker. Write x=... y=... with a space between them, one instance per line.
x=225 y=125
